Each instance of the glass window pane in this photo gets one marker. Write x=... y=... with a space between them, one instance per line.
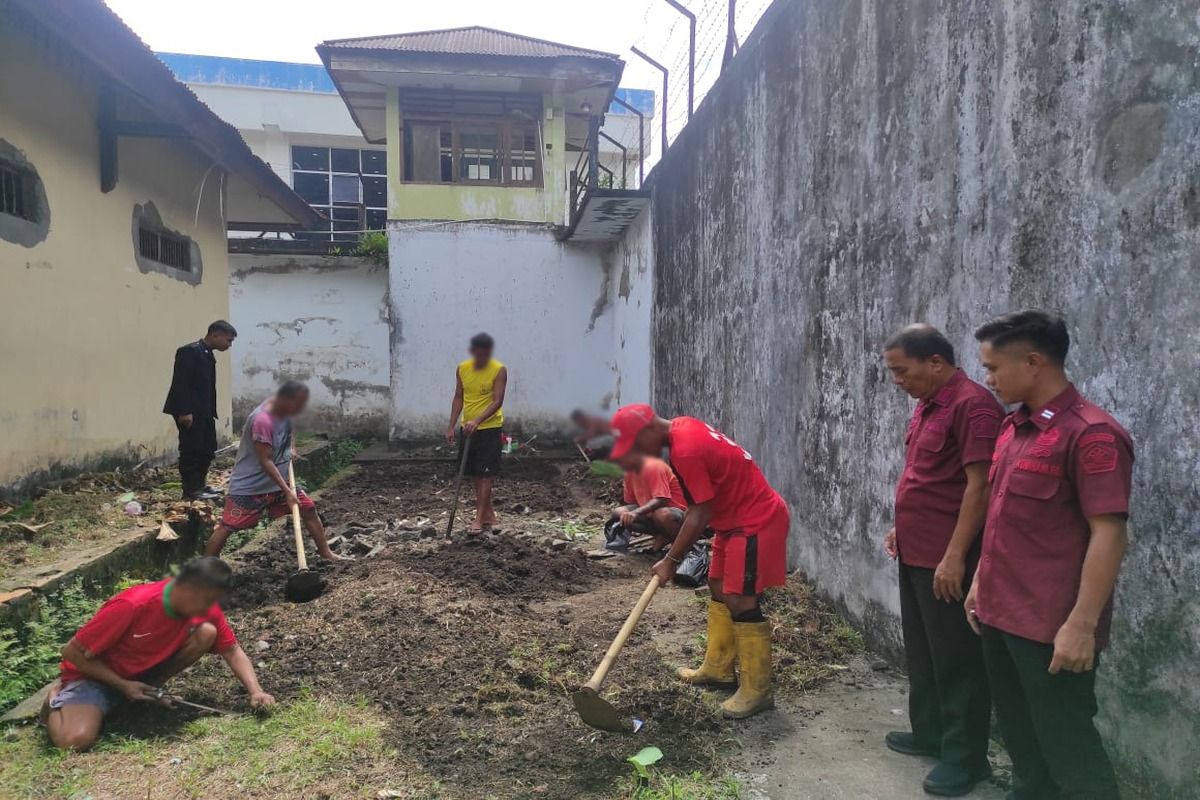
x=376 y=220
x=316 y=158
x=375 y=192
x=312 y=186
x=346 y=214
x=343 y=160
x=347 y=189
x=374 y=162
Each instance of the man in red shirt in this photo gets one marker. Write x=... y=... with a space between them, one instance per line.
x=136 y=642
x=654 y=501
x=725 y=491
x=941 y=500
x=1052 y=548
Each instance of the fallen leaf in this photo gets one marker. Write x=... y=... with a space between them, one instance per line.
x=166 y=533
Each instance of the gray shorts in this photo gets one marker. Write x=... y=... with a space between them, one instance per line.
x=88 y=693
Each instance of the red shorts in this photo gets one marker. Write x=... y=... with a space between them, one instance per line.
x=747 y=562
x=242 y=512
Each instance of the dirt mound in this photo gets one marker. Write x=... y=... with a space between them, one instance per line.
x=504 y=565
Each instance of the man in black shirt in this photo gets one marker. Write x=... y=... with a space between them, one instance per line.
x=192 y=401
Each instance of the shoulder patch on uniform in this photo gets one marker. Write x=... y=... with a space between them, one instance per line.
x=1097 y=436
x=1099 y=458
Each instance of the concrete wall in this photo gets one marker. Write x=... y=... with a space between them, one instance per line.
x=631 y=298
x=864 y=164
x=320 y=319
x=86 y=338
x=547 y=304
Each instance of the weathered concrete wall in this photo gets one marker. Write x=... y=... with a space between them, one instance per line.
x=320 y=319
x=87 y=339
x=547 y=303
x=867 y=163
x=631 y=297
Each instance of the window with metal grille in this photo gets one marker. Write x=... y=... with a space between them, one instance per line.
x=165 y=248
x=14 y=193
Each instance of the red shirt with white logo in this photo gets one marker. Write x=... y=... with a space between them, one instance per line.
x=136 y=631
x=713 y=469
x=1052 y=470
x=955 y=427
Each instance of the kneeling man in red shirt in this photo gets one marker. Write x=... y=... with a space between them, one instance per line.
x=654 y=501
x=725 y=491
x=137 y=641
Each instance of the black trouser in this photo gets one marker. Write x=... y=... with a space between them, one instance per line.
x=948 y=701
x=1046 y=721
x=197 y=447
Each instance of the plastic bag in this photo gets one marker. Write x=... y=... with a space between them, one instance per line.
x=693 y=570
x=616 y=536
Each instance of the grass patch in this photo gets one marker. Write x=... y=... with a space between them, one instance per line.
x=811 y=640
x=693 y=786
x=308 y=748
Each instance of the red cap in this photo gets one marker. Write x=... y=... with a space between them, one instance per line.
x=627 y=423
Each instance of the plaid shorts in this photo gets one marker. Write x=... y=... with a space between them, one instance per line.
x=244 y=511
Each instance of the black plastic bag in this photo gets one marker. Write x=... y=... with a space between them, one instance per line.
x=616 y=537
x=693 y=570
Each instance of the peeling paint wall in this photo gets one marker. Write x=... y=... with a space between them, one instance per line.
x=864 y=164
x=319 y=319
x=87 y=340
x=631 y=297
x=547 y=304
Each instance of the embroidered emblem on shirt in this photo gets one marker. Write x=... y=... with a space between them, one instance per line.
x=1099 y=458
x=1041 y=467
x=1097 y=436
x=1043 y=446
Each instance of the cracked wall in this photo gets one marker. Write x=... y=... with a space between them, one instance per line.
x=319 y=319
x=861 y=165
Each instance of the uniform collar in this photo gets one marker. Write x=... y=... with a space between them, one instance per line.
x=166 y=597
x=944 y=395
x=1049 y=414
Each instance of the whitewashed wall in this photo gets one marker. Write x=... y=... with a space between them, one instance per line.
x=320 y=319
x=631 y=296
x=546 y=303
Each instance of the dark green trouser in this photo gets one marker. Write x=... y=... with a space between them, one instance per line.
x=948 y=703
x=1046 y=721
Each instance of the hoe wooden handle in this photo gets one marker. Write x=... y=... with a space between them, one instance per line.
x=614 y=649
x=301 y=559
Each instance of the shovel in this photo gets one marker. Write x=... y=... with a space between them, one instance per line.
x=592 y=708
x=462 y=468
x=305 y=584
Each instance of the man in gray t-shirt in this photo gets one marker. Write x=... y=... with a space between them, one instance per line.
x=259 y=482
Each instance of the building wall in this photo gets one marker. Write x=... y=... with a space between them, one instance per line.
x=547 y=304
x=631 y=297
x=86 y=339
x=548 y=204
x=865 y=164
x=319 y=319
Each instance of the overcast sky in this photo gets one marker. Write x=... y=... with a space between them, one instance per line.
x=288 y=30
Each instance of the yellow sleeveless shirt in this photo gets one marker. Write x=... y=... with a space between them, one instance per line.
x=477 y=392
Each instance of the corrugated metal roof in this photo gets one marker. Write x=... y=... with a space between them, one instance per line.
x=473 y=40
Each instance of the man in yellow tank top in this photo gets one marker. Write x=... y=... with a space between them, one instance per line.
x=479 y=387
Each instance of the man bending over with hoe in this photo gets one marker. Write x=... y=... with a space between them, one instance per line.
x=478 y=405
x=259 y=483
x=654 y=501
x=137 y=641
x=725 y=491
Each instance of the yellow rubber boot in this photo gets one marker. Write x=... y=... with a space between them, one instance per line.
x=717 y=669
x=754 y=694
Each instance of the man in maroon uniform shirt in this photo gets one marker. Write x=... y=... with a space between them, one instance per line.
x=725 y=491
x=136 y=642
x=1052 y=548
x=941 y=500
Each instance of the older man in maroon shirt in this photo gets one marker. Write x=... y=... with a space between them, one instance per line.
x=1052 y=548
x=941 y=500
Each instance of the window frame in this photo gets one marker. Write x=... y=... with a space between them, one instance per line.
x=179 y=244
x=21 y=191
x=504 y=132
x=327 y=209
